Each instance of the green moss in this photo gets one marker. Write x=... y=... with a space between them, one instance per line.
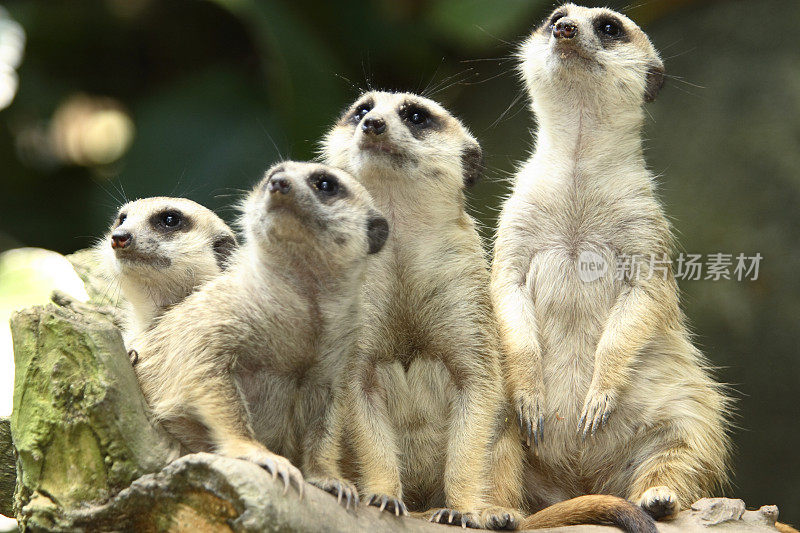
x=79 y=421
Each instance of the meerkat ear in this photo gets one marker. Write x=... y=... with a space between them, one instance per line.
x=654 y=82
x=377 y=232
x=223 y=246
x=472 y=164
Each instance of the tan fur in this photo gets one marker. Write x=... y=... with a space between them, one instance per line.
x=615 y=352
x=425 y=390
x=162 y=266
x=593 y=509
x=253 y=356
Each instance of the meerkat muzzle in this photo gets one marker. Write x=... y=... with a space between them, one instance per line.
x=121 y=239
x=373 y=126
x=565 y=29
x=279 y=184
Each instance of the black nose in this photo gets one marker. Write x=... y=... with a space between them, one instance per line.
x=373 y=126
x=565 y=29
x=121 y=239
x=279 y=184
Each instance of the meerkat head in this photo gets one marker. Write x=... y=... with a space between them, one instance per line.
x=311 y=206
x=403 y=140
x=167 y=238
x=160 y=250
x=594 y=54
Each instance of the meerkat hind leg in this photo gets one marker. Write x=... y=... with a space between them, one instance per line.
x=321 y=456
x=374 y=442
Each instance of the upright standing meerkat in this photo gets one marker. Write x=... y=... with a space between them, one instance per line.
x=160 y=250
x=607 y=352
x=245 y=367
x=425 y=395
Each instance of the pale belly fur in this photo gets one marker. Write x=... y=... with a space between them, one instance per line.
x=420 y=403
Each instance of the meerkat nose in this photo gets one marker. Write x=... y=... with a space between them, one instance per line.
x=565 y=29
x=279 y=184
x=374 y=126
x=120 y=239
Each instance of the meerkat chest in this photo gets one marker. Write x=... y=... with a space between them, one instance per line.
x=410 y=295
x=285 y=337
x=578 y=237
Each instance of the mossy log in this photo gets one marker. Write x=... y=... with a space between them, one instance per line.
x=79 y=423
x=8 y=471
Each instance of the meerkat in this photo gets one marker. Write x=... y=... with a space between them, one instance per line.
x=608 y=353
x=247 y=365
x=160 y=250
x=424 y=392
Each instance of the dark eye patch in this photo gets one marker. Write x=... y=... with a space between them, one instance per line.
x=416 y=115
x=361 y=111
x=120 y=219
x=169 y=221
x=561 y=13
x=326 y=185
x=418 y=118
x=610 y=29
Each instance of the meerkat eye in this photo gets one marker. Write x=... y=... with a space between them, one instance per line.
x=416 y=115
x=326 y=184
x=361 y=111
x=170 y=219
x=609 y=28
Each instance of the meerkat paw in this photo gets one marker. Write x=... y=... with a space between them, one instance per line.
x=456 y=518
x=530 y=413
x=388 y=503
x=501 y=518
x=596 y=410
x=277 y=466
x=660 y=502
x=343 y=490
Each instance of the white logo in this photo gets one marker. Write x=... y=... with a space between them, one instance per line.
x=591 y=266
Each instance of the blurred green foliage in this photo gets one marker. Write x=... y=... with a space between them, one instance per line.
x=218 y=90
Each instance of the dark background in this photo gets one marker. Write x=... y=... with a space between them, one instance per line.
x=218 y=90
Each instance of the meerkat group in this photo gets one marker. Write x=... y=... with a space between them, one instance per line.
x=360 y=339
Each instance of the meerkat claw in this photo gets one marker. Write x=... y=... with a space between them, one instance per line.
x=454 y=517
x=388 y=502
x=271 y=467
x=343 y=491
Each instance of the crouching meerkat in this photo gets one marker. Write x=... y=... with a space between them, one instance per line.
x=160 y=250
x=425 y=394
x=591 y=343
x=246 y=366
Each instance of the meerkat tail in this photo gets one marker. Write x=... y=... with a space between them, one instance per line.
x=593 y=509
x=785 y=528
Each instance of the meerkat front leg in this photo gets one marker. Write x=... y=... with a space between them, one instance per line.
x=512 y=295
x=375 y=444
x=218 y=404
x=631 y=323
